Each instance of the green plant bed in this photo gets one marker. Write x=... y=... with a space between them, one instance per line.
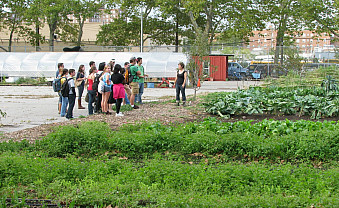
x=269 y=140
x=315 y=102
x=161 y=182
x=200 y=164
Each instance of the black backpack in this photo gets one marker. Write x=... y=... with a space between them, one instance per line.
x=130 y=76
x=96 y=81
x=65 y=88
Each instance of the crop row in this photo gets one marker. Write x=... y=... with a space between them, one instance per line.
x=287 y=140
x=166 y=183
x=315 y=102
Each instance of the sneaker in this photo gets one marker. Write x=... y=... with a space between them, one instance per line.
x=177 y=104
x=136 y=107
x=119 y=114
x=108 y=113
x=184 y=104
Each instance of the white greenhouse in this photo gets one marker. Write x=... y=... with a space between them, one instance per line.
x=44 y=64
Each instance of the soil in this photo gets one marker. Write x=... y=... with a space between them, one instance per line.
x=165 y=112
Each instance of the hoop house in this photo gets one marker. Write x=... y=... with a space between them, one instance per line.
x=44 y=64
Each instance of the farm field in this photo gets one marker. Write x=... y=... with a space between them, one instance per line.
x=200 y=164
x=208 y=156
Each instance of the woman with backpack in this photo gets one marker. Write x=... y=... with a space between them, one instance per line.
x=118 y=88
x=80 y=78
x=106 y=78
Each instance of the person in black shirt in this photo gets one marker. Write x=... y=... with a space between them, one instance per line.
x=118 y=88
x=81 y=78
x=180 y=83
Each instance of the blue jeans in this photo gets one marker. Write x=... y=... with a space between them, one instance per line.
x=141 y=91
x=60 y=97
x=91 y=98
x=71 y=99
x=127 y=100
x=64 y=104
x=81 y=90
x=178 y=89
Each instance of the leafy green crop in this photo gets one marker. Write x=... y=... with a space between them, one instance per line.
x=315 y=102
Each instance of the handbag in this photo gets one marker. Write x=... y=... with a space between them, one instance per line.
x=87 y=98
x=77 y=83
x=101 y=87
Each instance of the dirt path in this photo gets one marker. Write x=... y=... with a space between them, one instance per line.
x=165 y=113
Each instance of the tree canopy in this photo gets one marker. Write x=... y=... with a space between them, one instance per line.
x=168 y=22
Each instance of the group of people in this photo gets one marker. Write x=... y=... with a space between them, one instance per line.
x=110 y=83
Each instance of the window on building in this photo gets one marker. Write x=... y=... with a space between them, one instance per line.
x=207 y=68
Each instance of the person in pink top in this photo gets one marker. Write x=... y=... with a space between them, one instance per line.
x=91 y=92
x=118 y=88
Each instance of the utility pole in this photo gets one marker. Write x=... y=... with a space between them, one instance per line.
x=142 y=32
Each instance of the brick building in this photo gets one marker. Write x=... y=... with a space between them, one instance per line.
x=306 y=40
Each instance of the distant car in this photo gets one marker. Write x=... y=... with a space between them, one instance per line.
x=264 y=70
x=236 y=71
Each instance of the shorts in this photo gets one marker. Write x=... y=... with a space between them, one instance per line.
x=107 y=88
x=135 y=88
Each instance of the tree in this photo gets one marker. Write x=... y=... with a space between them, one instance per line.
x=118 y=33
x=55 y=13
x=200 y=49
x=175 y=13
x=287 y=17
x=14 y=18
x=322 y=15
x=155 y=27
x=35 y=18
x=82 y=10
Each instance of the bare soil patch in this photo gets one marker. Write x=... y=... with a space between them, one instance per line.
x=163 y=112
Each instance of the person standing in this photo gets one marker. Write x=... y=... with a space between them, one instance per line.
x=72 y=94
x=111 y=100
x=98 y=99
x=91 y=92
x=91 y=64
x=81 y=78
x=64 y=100
x=58 y=75
x=141 y=80
x=127 y=87
x=60 y=69
x=112 y=63
x=106 y=78
x=118 y=88
x=180 y=84
x=135 y=81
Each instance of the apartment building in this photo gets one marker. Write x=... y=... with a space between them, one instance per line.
x=306 y=40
